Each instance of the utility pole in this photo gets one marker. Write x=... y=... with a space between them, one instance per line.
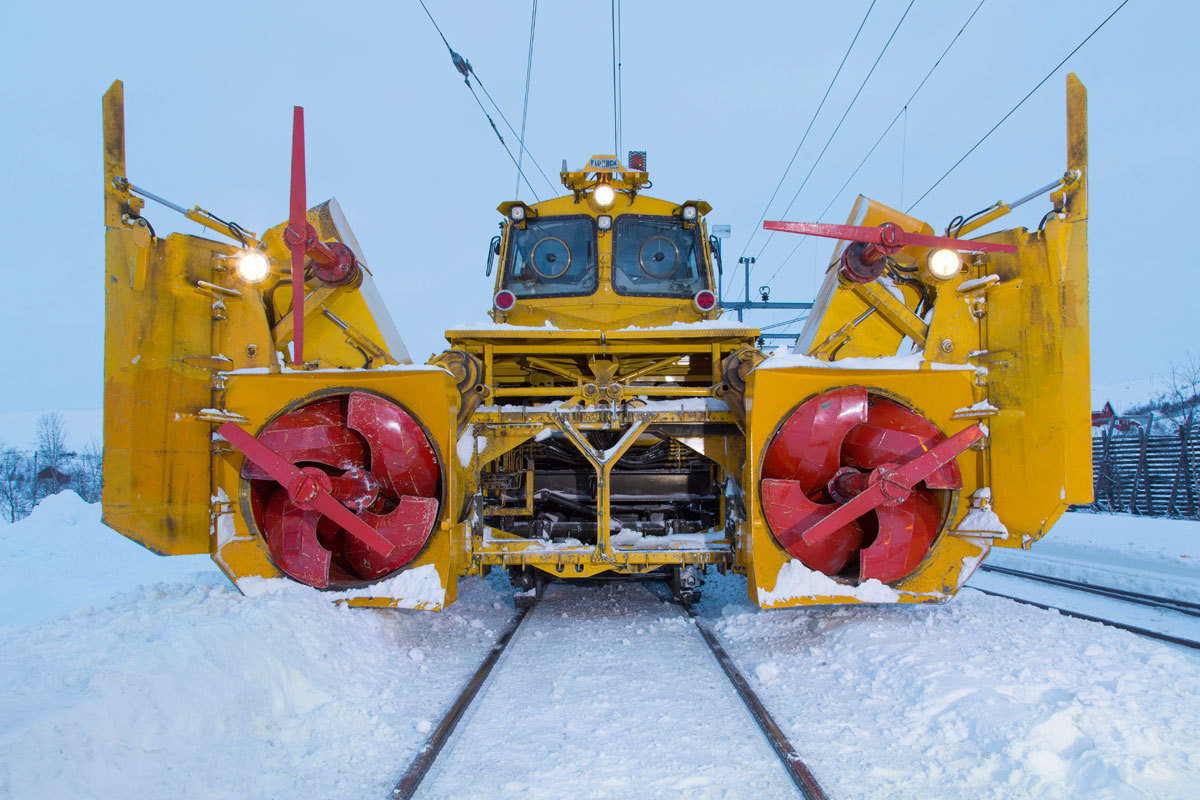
x=746 y=262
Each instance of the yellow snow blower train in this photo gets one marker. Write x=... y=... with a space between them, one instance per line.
x=260 y=406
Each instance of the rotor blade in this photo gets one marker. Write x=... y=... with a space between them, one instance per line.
x=401 y=456
x=291 y=534
x=875 y=235
x=315 y=434
x=905 y=533
x=903 y=477
x=288 y=476
x=893 y=434
x=789 y=513
x=298 y=222
x=808 y=446
x=407 y=527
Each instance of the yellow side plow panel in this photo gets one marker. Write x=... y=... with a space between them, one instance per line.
x=1035 y=330
x=157 y=350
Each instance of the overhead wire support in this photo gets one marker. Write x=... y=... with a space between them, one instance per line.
x=902 y=112
x=758 y=225
x=846 y=113
x=525 y=106
x=1018 y=105
x=464 y=68
x=616 y=57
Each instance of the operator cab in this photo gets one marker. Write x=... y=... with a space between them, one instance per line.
x=604 y=256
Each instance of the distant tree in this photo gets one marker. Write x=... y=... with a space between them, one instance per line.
x=51 y=454
x=13 y=483
x=1182 y=397
x=1180 y=404
x=88 y=471
x=51 y=440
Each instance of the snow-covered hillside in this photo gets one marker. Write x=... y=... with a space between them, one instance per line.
x=178 y=686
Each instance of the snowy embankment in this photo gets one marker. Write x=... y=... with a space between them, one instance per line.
x=1138 y=554
x=179 y=686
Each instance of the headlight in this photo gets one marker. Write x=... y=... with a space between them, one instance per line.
x=944 y=264
x=253 y=266
x=604 y=195
x=517 y=213
x=689 y=213
x=604 y=222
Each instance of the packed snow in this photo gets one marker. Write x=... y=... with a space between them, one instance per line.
x=130 y=675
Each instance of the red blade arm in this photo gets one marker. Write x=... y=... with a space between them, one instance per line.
x=309 y=492
x=298 y=227
x=886 y=235
x=893 y=484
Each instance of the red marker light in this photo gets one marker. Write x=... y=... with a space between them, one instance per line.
x=705 y=300
x=504 y=300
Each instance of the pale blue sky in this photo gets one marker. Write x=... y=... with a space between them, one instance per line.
x=718 y=93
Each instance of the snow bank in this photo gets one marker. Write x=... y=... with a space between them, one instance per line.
x=979 y=698
x=61 y=558
x=1142 y=554
x=180 y=686
x=796 y=580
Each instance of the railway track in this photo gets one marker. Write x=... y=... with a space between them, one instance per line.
x=541 y=635
x=1165 y=608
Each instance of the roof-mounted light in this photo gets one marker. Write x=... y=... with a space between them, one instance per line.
x=516 y=213
x=689 y=213
x=604 y=195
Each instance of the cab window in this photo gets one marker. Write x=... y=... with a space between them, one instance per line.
x=552 y=256
x=657 y=256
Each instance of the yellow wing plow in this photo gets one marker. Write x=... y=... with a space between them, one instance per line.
x=199 y=346
x=915 y=344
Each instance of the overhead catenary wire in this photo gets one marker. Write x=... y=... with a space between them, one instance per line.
x=1018 y=105
x=525 y=106
x=467 y=71
x=838 y=127
x=903 y=111
x=618 y=106
x=804 y=138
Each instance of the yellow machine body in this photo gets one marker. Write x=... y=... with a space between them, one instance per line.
x=604 y=428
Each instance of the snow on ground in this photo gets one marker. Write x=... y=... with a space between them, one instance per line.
x=980 y=698
x=61 y=559
x=1141 y=554
x=179 y=686
x=607 y=691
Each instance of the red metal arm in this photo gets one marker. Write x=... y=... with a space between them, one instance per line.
x=892 y=485
x=306 y=490
x=297 y=223
x=888 y=236
x=334 y=263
